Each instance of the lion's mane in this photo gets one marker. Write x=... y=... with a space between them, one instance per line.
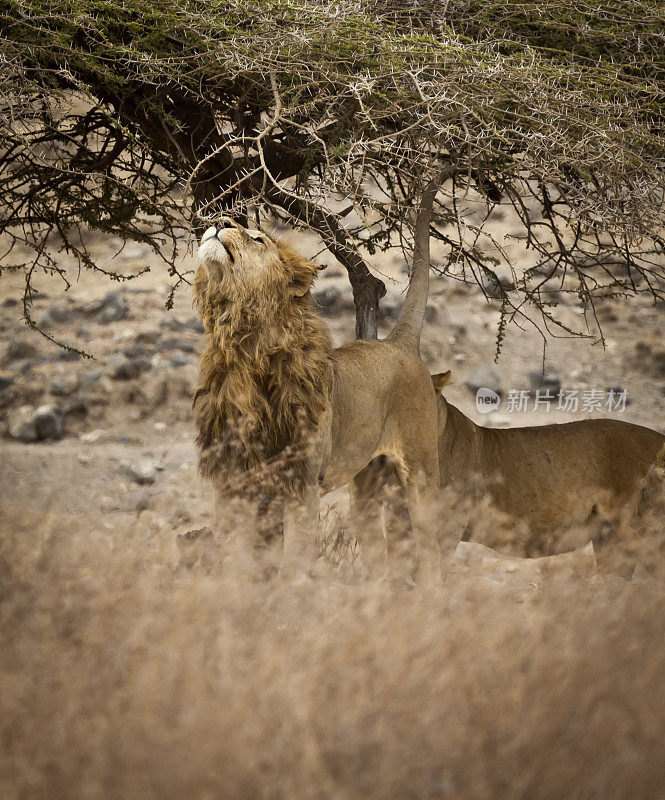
x=265 y=378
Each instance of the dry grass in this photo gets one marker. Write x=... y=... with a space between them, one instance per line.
x=123 y=677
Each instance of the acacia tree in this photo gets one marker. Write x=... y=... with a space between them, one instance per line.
x=145 y=119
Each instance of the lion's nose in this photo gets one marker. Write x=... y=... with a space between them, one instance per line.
x=223 y=224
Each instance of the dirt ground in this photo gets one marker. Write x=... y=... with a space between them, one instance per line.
x=125 y=677
x=128 y=408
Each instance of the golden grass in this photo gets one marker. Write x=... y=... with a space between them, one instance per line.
x=123 y=677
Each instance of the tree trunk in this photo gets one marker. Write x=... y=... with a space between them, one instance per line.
x=367 y=292
x=367 y=289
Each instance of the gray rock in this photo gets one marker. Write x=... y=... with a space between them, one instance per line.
x=110 y=308
x=180 y=360
x=391 y=305
x=328 y=300
x=547 y=382
x=175 y=343
x=49 y=422
x=21 y=424
x=63 y=387
x=22 y=367
x=179 y=325
x=125 y=369
x=484 y=377
x=56 y=315
x=115 y=310
x=143 y=473
x=93 y=375
x=6 y=381
x=76 y=404
x=65 y=354
x=149 y=336
x=135 y=350
x=20 y=349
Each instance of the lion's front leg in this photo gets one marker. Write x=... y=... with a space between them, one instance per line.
x=301 y=518
x=235 y=527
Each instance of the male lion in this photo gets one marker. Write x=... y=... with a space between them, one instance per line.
x=281 y=413
x=555 y=478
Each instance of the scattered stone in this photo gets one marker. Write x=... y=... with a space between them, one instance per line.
x=135 y=350
x=66 y=354
x=49 y=422
x=105 y=385
x=94 y=437
x=484 y=377
x=431 y=314
x=180 y=325
x=328 y=300
x=6 y=381
x=56 y=315
x=544 y=382
x=176 y=343
x=93 y=375
x=22 y=367
x=125 y=369
x=76 y=404
x=391 y=305
x=63 y=387
x=84 y=332
x=110 y=308
x=606 y=313
x=159 y=426
x=20 y=349
x=142 y=473
x=179 y=360
x=21 y=424
x=149 y=336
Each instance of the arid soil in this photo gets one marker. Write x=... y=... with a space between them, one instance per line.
x=125 y=675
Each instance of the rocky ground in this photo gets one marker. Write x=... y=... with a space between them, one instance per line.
x=113 y=433
x=125 y=674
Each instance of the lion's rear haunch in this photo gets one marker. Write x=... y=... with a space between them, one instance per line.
x=265 y=378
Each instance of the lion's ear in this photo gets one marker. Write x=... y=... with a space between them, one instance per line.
x=303 y=277
x=441 y=379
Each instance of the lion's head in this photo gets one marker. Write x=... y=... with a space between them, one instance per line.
x=265 y=375
x=243 y=267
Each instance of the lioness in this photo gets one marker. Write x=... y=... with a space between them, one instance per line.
x=279 y=411
x=553 y=477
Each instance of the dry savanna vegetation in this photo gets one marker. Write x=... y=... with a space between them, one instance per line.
x=138 y=659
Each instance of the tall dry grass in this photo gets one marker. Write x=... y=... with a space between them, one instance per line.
x=123 y=677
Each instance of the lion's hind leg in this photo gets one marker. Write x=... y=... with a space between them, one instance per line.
x=368 y=494
x=420 y=480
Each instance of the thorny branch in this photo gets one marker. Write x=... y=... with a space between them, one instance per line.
x=147 y=122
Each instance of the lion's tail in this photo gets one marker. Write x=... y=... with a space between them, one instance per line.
x=410 y=322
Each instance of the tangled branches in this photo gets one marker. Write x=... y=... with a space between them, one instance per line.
x=143 y=120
